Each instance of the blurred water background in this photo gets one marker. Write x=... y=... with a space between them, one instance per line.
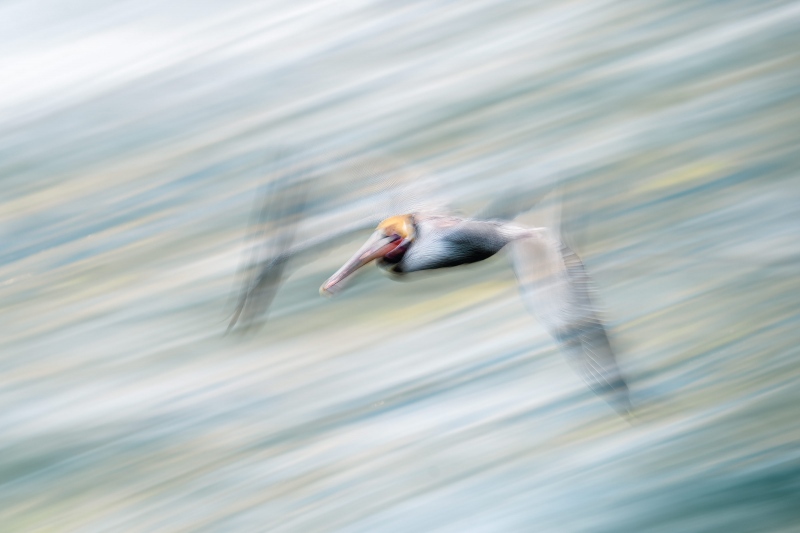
x=132 y=144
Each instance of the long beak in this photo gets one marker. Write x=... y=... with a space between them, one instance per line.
x=376 y=246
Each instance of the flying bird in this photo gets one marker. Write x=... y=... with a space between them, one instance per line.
x=552 y=279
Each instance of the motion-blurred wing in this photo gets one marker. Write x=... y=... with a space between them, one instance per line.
x=272 y=233
x=556 y=288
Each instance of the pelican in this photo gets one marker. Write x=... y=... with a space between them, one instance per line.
x=552 y=280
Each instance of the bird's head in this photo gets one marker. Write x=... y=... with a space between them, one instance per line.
x=387 y=244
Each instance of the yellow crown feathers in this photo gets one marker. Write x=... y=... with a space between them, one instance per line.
x=402 y=225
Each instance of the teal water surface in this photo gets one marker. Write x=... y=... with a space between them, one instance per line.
x=132 y=144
